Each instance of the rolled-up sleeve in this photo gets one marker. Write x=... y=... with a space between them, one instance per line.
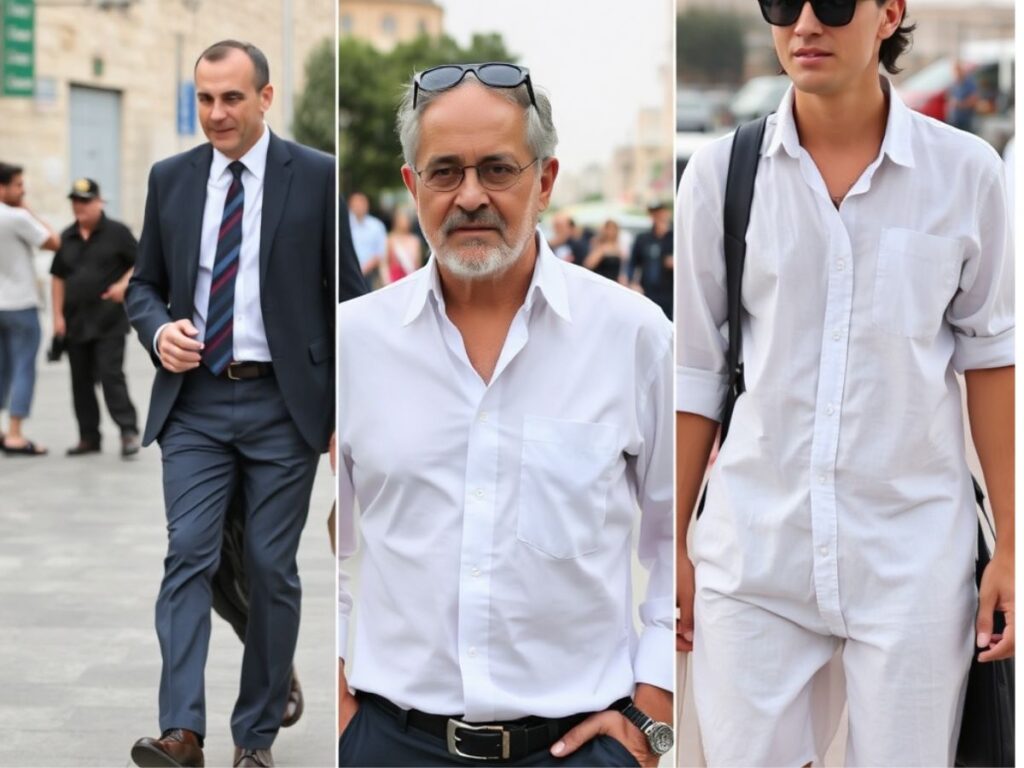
x=701 y=377
x=981 y=311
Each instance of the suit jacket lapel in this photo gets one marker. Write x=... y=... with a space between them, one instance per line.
x=192 y=219
x=275 y=192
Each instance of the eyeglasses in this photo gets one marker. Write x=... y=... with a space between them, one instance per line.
x=831 y=13
x=495 y=74
x=494 y=175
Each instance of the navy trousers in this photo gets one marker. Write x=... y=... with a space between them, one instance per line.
x=220 y=433
x=374 y=738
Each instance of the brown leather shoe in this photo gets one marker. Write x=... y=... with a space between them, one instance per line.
x=253 y=758
x=176 y=747
x=296 y=703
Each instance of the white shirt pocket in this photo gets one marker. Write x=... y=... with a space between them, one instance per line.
x=916 y=278
x=563 y=487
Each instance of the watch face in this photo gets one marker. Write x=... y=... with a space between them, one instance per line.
x=660 y=738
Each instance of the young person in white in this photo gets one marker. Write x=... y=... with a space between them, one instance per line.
x=503 y=417
x=21 y=231
x=840 y=510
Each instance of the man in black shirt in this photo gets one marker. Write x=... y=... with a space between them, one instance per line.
x=90 y=273
x=650 y=263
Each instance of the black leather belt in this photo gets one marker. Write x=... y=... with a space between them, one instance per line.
x=510 y=740
x=243 y=371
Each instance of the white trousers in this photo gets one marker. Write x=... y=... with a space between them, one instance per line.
x=764 y=689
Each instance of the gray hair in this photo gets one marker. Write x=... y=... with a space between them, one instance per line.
x=541 y=136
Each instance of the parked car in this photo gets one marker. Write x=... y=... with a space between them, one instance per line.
x=991 y=63
x=701 y=110
x=758 y=96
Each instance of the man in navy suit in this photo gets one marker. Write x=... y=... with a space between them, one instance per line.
x=233 y=295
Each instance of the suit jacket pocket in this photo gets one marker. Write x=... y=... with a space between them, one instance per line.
x=320 y=350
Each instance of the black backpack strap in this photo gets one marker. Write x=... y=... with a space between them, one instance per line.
x=739 y=194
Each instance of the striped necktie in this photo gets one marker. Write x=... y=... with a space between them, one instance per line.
x=220 y=312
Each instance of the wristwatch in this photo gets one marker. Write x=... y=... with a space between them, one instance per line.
x=660 y=736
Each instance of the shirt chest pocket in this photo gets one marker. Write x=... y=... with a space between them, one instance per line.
x=563 y=488
x=916 y=278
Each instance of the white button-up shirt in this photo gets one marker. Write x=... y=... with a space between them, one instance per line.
x=496 y=519
x=249 y=335
x=844 y=469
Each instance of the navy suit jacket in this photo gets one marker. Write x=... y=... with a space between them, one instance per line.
x=297 y=275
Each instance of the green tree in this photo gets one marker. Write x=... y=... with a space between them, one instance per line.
x=370 y=86
x=313 y=121
x=709 y=46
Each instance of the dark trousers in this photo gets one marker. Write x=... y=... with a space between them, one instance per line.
x=220 y=435
x=374 y=738
x=100 y=360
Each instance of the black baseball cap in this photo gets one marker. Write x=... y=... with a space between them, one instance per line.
x=84 y=189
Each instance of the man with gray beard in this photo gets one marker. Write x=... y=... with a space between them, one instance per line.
x=502 y=415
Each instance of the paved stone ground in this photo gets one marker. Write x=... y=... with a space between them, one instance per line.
x=81 y=551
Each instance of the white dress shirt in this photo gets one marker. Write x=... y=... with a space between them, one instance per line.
x=845 y=462
x=841 y=502
x=249 y=335
x=496 y=520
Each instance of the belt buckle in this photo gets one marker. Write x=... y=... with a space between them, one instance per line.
x=453 y=740
x=231 y=371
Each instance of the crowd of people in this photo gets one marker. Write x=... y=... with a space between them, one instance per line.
x=643 y=262
x=93 y=260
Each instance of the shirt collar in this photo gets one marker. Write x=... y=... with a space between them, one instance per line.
x=255 y=160
x=896 y=142
x=548 y=283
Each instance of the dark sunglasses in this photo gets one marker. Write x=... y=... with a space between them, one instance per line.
x=831 y=13
x=495 y=74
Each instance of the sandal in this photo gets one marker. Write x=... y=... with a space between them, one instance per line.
x=28 y=449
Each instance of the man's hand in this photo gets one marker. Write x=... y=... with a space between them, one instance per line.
x=115 y=292
x=178 y=348
x=684 y=595
x=332 y=452
x=654 y=702
x=347 y=703
x=60 y=327
x=996 y=594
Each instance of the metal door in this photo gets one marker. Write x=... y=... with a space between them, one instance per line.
x=95 y=133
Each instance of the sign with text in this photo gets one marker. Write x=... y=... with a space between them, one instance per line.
x=18 y=47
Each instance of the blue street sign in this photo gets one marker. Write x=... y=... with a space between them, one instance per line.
x=186 y=108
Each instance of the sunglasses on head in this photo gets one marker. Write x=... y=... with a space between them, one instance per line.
x=831 y=13
x=494 y=74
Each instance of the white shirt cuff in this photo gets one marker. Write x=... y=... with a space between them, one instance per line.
x=701 y=392
x=156 y=340
x=654 y=661
x=972 y=353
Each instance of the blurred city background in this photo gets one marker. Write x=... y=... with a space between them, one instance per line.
x=103 y=89
x=727 y=72
x=610 y=79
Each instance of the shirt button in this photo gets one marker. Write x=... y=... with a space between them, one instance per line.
x=823 y=551
x=830 y=409
x=479 y=493
x=821 y=478
x=836 y=335
x=475 y=571
x=840 y=265
x=472 y=652
x=483 y=416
